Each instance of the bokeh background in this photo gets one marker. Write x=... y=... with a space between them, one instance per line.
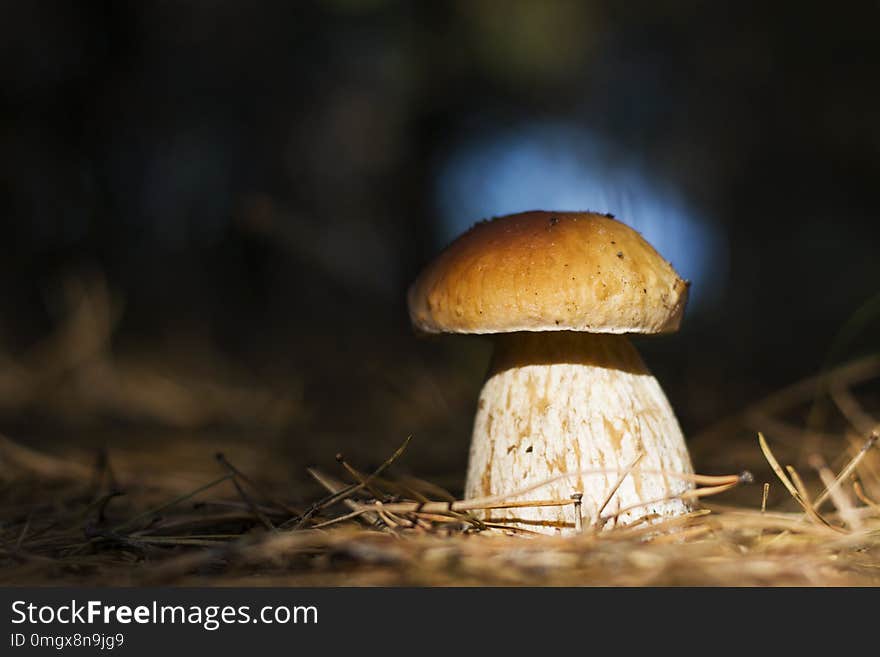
x=210 y=211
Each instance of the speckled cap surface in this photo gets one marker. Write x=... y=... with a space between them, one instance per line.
x=548 y=271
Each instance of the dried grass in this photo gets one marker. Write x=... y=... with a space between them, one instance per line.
x=373 y=530
x=63 y=521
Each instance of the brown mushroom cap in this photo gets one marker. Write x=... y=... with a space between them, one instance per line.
x=548 y=271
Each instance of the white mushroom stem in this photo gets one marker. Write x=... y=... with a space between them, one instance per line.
x=580 y=403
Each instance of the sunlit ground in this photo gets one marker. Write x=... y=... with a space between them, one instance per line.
x=157 y=474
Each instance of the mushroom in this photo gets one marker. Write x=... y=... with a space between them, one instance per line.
x=568 y=402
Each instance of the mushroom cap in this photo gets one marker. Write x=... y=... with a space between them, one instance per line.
x=548 y=271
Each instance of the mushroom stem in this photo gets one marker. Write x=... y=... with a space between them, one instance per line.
x=568 y=402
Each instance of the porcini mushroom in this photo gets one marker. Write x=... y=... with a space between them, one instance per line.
x=566 y=393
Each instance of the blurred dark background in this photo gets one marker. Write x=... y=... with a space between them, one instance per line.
x=233 y=197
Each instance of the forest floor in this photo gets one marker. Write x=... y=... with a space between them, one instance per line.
x=142 y=477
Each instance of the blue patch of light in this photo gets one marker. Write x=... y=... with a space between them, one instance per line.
x=562 y=167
